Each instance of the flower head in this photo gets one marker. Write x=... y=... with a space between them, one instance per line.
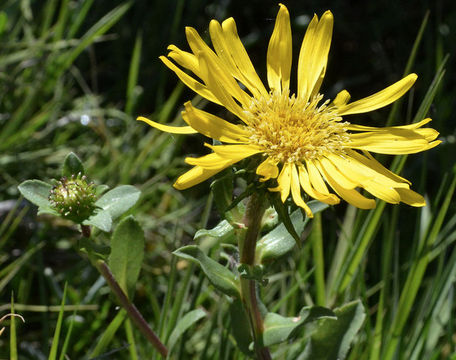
x=305 y=142
x=74 y=198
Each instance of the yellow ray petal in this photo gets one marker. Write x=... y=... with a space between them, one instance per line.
x=394 y=142
x=372 y=163
x=349 y=195
x=195 y=176
x=359 y=174
x=167 y=128
x=305 y=58
x=362 y=172
x=239 y=65
x=414 y=126
x=378 y=185
x=221 y=48
x=341 y=179
x=428 y=133
x=210 y=161
x=222 y=87
x=235 y=151
x=196 y=43
x=280 y=52
x=380 y=99
x=240 y=56
x=383 y=192
x=412 y=198
x=215 y=67
x=193 y=84
x=268 y=169
x=184 y=59
x=313 y=56
x=284 y=181
x=315 y=178
x=330 y=199
x=212 y=126
x=296 y=192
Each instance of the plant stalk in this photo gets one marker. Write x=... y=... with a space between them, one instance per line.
x=131 y=309
x=247 y=245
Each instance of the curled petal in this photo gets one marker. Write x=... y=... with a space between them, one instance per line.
x=341 y=99
x=268 y=169
x=185 y=59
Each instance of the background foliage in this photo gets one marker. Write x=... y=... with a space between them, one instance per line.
x=73 y=77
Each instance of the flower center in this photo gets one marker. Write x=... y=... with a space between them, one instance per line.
x=292 y=130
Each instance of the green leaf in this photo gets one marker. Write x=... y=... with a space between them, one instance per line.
x=94 y=249
x=127 y=253
x=279 y=241
x=102 y=220
x=100 y=189
x=240 y=327
x=332 y=338
x=284 y=216
x=37 y=192
x=219 y=276
x=278 y=328
x=183 y=324
x=222 y=232
x=118 y=200
x=72 y=165
x=222 y=188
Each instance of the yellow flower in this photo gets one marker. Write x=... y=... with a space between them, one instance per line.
x=305 y=141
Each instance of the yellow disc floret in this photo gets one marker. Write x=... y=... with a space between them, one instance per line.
x=292 y=130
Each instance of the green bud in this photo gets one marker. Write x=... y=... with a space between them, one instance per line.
x=74 y=198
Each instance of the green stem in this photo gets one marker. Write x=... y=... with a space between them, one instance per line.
x=247 y=245
x=131 y=309
x=317 y=250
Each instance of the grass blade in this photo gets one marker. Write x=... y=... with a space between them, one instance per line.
x=55 y=340
x=133 y=75
x=108 y=334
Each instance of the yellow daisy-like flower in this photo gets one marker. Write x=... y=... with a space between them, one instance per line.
x=305 y=142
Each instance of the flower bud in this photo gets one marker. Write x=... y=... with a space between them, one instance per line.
x=74 y=198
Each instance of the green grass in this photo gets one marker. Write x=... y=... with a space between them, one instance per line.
x=73 y=77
